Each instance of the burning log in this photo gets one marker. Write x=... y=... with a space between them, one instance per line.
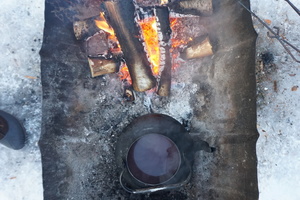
x=101 y=66
x=85 y=28
x=127 y=33
x=197 y=7
x=199 y=50
x=164 y=86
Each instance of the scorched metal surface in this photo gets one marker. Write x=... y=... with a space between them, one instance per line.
x=84 y=116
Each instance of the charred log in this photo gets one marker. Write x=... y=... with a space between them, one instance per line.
x=85 y=28
x=127 y=33
x=162 y=14
x=198 y=50
x=97 y=45
x=196 y=7
x=101 y=66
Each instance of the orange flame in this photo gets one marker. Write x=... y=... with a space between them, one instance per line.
x=124 y=73
x=102 y=24
x=150 y=35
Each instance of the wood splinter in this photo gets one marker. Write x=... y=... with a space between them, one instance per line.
x=199 y=50
x=101 y=66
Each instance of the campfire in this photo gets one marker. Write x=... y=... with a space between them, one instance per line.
x=143 y=41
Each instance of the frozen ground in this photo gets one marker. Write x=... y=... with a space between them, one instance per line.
x=278 y=113
x=20 y=94
x=278 y=104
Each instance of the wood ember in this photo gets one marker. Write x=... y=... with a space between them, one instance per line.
x=101 y=66
x=198 y=50
x=186 y=29
x=129 y=94
x=127 y=31
x=196 y=7
x=85 y=28
x=164 y=86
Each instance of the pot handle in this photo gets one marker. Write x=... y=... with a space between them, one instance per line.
x=154 y=189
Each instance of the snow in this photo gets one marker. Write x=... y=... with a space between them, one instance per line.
x=278 y=112
x=20 y=41
x=278 y=108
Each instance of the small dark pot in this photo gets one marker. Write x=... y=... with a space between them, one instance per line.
x=12 y=133
x=154 y=153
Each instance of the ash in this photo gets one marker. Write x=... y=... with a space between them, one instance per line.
x=278 y=113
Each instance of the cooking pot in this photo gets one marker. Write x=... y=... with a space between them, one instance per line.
x=155 y=152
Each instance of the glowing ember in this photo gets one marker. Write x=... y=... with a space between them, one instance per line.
x=124 y=73
x=150 y=35
x=177 y=42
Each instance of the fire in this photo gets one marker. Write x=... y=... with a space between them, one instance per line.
x=177 y=42
x=102 y=24
x=150 y=35
x=124 y=73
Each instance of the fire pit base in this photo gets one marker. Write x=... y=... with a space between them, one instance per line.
x=84 y=116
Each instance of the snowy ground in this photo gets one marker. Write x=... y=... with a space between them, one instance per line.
x=278 y=104
x=278 y=114
x=21 y=35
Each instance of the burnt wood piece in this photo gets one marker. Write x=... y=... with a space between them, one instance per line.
x=198 y=50
x=196 y=7
x=120 y=15
x=85 y=28
x=128 y=94
x=162 y=14
x=97 y=45
x=101 y=66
